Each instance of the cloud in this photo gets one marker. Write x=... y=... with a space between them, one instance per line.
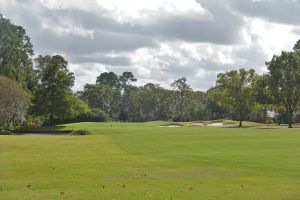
x=281 y=11
x=158 y=40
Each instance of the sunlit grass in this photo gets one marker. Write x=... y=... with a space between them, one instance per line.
x=145 y=161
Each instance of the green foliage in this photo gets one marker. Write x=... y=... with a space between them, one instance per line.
x=14 y=101
x=284 y=84
x=5 y=132
x=182 y=93
x=236 y=91
x=102 y=97
x=53 y=98
x=264 y=99
x=32 y=121
x=126 y=79
x=109 y=79
x=15 y=54
x=76 y=107
x=94 y=115
x=214 y=104
x=152 y=102
x=113 y=94
x=297 y=46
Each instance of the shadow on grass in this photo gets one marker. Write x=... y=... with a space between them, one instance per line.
x=49 y=130
x=53 y=130
x=265 y=127
x=238 y=127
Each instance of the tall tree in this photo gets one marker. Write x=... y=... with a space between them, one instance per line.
x=128 y=92
x=110 y=79
x=284 y=71
x=262 y=93
x=102 y=97
x=126 y=79
x=182 y=90
x=197 y=105
x=15 y=54
x=150 y=103
x=236 y=88
x=110 y=82
x=214 y=104
x=297 y=46
x=14 y=101
x=51 y=99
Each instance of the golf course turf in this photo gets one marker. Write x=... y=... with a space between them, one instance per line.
x=134 y=161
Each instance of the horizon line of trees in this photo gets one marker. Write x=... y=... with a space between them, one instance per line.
x=37 y=91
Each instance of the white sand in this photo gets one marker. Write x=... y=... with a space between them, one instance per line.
x=215 y=124
x=197 y=124
x=170 y=126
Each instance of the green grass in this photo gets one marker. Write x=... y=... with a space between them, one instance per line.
x=143 y=161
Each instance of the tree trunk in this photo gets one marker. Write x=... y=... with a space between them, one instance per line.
x=240 y=119
x=51 y=118
x=265 y=116
x=290 y=117
x=279 y=119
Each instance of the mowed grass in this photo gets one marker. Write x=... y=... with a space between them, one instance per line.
x=143 y=161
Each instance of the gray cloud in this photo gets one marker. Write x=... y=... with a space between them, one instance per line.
x=282 y=11
x=106 y=60
x=93 y=40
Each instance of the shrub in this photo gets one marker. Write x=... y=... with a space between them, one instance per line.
x=5 y=132
x=14 y=101
x=32 y=121
x=80 y=132
x=95 y=115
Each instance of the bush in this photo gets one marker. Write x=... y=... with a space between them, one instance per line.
x=14 y=101
x=5 y=132
x=95 y=115
x=80 y=132
x=32 y=121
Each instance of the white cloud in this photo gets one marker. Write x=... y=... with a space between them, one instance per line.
x=158 y=40
x=85 y=73
x=66 y=26
x=142 y=12
x=271 y=37
x=68 y=4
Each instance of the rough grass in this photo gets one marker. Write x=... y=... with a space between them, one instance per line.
x=143 y=161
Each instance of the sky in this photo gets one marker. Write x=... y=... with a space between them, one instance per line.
x=158 y=40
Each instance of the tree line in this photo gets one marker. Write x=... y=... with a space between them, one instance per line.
x=38 y=90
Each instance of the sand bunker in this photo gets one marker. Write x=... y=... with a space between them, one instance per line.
x=215 y=124
x=197 y=124
x=170 y=126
